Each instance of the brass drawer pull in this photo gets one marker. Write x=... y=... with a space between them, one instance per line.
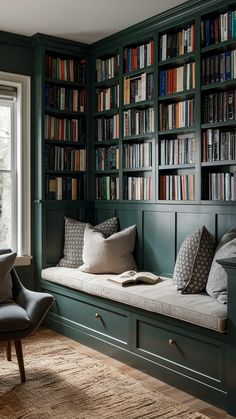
x=171 y=342
x=97 y=315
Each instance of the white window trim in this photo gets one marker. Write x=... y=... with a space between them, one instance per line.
x=22 y=83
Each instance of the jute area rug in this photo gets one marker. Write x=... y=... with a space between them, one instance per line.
x=64 y=383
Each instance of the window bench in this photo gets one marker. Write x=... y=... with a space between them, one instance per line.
x=181 y=339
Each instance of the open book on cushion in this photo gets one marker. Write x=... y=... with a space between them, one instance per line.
x=132 y=277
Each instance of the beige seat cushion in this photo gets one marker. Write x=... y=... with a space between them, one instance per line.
x=199 y=309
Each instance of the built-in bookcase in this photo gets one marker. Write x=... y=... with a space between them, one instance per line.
x=107 y=126
x=64 y=126
x=218 y=96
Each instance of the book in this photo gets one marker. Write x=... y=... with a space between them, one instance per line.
x=132 y=277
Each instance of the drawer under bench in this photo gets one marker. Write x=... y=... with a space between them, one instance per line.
x=182 y=354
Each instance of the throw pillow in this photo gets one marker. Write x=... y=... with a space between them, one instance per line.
x=193 y=262
x=217 y=280
x=108 y=255
x=74 y=239
x=6 y=264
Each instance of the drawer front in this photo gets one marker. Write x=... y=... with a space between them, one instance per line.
x=97 y=319
x=189 y=354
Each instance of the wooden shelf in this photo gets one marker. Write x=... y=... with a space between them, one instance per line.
x=220 y=85
x=137 y=169
x=177 y=95
x=58 y=112
x=107 y=82
x=149 y=69
x=69 y=84
x=175 y=131
x=141 y=104
x=64 y=143
x=177 y=166
x=139 y=137
x=180 y=59
x=218 y=163
x=220 y=46
x=106 y=143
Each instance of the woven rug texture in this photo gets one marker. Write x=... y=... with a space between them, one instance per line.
x=64 y=383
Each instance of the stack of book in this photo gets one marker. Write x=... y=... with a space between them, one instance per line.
x=65 y=99
x=138 y=88
x=218 y=145
x=107 y=158
x=139 y=188
x=177 y=43
x=219 y=67
x=107 y=128
x=137 y=155
x=139 y=56
x=138 y=121
x=107 y=68
x=218 y=107
x=62 y=129
x=218 y=28
x=66 y=70
x=107 y=187
x=177 y=187
x=178 y=151
x=177 y=115
x=107 y=98
x=177 y=79
x=222 y=186
x=64 y=158
x=57 y=187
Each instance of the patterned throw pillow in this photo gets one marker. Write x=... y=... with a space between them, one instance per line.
x=74 y=239
x=217 y=280
x=194 y=262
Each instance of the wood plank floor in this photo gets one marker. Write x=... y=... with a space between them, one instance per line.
x=152 y=383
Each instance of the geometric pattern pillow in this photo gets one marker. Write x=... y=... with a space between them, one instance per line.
x=7 y=261
x=193 y=262
x=217 y=280
x=74 y=239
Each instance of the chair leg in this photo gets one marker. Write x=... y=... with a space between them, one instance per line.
x=8 y=350
x=20 y=360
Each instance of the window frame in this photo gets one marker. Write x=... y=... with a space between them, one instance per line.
x=22 y=126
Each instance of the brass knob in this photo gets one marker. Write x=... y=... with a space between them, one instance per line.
x=97 y=315
x=171 y=342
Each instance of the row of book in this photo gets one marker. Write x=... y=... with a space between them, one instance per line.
x=107 y=187
x=177 y=79
x=138 y=88
x=107 y=98
x=218 y=107
x=177 y=115
x=65 y=99
x=222 y=187
x=73 y=70
x=107 y=128
x=64 y=158
x=177 y=43
x=218 y=145
x=177 y=187
x=137 y=155
x=138 y=121
x=61 y=129
x=107 y=158
x=178 y=151
x=107 y=68
x=64 y=187
x=138 y=188
x=218 y=29
x=138 y=56
x=220 y=67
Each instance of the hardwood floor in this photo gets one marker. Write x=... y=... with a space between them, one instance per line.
x=178 y=395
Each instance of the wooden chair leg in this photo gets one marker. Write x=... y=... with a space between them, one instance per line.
x=20 y=360
x=8 y=350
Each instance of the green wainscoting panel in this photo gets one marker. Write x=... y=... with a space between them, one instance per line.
x=103 y=214
x=159 y=242
x=224 y=223
x=128 y=218
x=187 y=223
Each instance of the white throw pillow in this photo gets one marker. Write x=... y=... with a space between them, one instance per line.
x=108 y=255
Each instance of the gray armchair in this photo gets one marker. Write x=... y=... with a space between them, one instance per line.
x=22 y=316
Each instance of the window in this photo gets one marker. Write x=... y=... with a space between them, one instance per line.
x=15 y=165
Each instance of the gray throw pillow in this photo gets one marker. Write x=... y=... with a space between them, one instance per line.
x=112 y=255
x=217 y=280
x=193 y=262
x=6 y=264
x=74 y=239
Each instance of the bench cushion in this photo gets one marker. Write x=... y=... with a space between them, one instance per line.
x=162 y=298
